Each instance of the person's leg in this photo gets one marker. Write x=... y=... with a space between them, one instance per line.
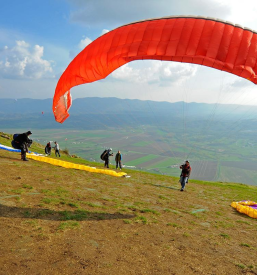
x=120 y=164
x=23 y=152
x=183 y=183
x=117 y=164
x=59 y=153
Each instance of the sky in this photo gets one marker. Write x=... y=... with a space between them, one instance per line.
x=39 y=38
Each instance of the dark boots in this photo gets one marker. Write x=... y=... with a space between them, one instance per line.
x=23 y=157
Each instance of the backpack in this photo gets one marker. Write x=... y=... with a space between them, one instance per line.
x=103 y=154
x=15 y=136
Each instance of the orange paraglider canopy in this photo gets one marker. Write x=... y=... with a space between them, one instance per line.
x=204 y=41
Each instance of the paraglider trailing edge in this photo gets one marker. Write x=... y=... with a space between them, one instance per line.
x=198 y=40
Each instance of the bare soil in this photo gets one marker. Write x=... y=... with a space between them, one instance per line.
x=62 y=221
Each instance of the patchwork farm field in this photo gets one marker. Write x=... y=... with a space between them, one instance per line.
x=160 y=152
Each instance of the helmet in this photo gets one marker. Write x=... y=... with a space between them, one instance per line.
x=110 y=149
x=29 y=133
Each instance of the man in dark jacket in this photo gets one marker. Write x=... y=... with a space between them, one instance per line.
x=185 y=174
x=106 y=157
x=118 y=159
x=48 y=148
x=22 y=142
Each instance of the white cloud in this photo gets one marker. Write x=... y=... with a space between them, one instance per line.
x=23 y=62
x=155 y=72
x=241 y=12
x=241 y=83
x=84 y=42
x=104 y=31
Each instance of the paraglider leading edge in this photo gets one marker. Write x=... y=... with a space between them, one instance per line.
x=198 y=40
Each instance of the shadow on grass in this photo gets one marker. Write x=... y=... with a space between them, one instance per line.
x=13 y=157
x=163 y=186
x=47 y=214
x=242 y=215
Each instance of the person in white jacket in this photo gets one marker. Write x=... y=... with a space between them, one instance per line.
x=57 y=149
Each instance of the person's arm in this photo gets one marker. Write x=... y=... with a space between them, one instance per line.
x=190 y=169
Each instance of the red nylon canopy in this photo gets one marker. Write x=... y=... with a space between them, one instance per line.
x=204 y=41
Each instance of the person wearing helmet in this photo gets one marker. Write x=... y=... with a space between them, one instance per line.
x=22 y=142
x=185 y=174
x=107 y=156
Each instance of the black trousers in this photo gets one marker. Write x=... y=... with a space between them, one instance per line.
x=22 y=146
x=106 y=163
x=118 y=164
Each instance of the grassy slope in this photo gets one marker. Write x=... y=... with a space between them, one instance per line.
x=62 y=221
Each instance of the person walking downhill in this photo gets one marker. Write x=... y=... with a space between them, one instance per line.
x=57 y=149
x=118 y=159
x=185 y=174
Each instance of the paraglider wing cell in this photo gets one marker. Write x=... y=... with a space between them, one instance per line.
x=197 y=40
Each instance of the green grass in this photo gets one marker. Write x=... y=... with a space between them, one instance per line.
x=68 y=225
x=141 y=219
x=225 y=236
x=142 y=160
x=86 y=144
x=245 y=245
x=78 y=215
x=142 y=143
x=150 y=211
x=144 y=205
x=26 y=186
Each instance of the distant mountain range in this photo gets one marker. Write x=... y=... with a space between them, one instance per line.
x=98 y=113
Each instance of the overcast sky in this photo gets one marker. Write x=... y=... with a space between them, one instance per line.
x=39 y=38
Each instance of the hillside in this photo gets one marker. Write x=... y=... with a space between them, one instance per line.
x=93 y=113
x=62 y=221
x=218 y=139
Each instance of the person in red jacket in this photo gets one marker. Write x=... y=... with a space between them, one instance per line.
x=185 y=174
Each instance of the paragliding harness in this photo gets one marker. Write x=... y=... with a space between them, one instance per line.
x=102 y=157
x=16 y=144
x=15 y=136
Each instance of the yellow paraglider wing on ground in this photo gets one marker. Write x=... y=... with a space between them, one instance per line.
x=246 y=207
x=67 y=164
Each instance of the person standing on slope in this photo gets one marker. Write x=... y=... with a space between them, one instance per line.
x=57 y=149
x=106 y=157
x=22 y=142
x=118 y=159
x=48 y=148
x=185 y=174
